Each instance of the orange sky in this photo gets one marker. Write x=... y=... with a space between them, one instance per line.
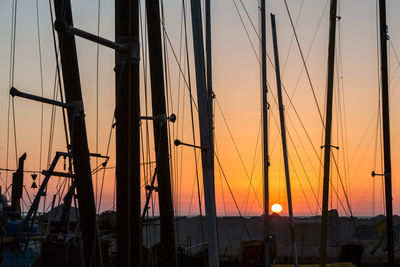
x=237 y=88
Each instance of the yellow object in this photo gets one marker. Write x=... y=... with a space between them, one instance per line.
x=4 y=240
x=339 y=264
x=380 y=227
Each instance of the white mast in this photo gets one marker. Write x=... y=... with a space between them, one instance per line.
x=206 y=136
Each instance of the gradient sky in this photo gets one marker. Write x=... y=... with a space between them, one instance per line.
x=237 y=87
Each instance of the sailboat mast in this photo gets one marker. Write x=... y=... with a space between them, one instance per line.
x=328 y=129
x=167 y=229
x=127 y=117
x=283 y=135
x=264 y=90
x=383 y=30
x=79 y=143
x=207 y=154
x=209 y=78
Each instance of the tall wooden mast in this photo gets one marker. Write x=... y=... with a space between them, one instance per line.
x=79 y=144
x=283 y=135
x=127 y=116
x=264 y=90
x=168 y=246
x=386 y=130
x=207 y=154
x=328 y=130
x=209 y=78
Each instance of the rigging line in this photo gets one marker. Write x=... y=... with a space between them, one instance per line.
x=170 y=104
x=176 y=58
x=342 y=185
x=169 y=98
x=363 y=197
x=41 y=86
x=269 y=59
x=310 y=47
x=52 y=120
x=245 y=202
x=220 y=175
x=291 y=39
x=233 y=197
x=58 y=73
x=249 y=18
x=146 y=178
x=397 y=59
x=4 y=183
x=301 y=186
x=11 y=78
x=194 y=183
x=13 y=34
x=379 y=101
x=191 y=112
x=52 y=125
x=247 y=33
x=305 y=196
x=8 y=137
x=15 y=132
x=248 y=208
x=237 y=151
x=146 y=169
x=302 y=145
x=274 y=143
x=379 y=98
x=97 y=92
x=397 y=68
x=304 y=170
x=304 y=63
x=27 y=194
x=343 y=124
x=178 y=160
x=10 y=81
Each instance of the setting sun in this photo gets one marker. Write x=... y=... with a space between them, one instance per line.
x=276 y=208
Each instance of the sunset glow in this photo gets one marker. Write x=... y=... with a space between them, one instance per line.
x=238 y=167
x=276 y=208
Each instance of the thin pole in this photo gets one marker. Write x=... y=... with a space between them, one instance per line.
x=205 y=136
x=209 y=78
x=79 y=144
x=283 y=134
x=386 y=130
x=167 y=229
x=264 y=90
x=328 y=130
x=127 y=116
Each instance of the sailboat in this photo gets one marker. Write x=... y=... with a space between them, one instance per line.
x=128 y=122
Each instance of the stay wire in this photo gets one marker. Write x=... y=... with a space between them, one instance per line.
x=58 y=71
x=146 y=169
x=304 y=63
x=191 y=112
x=237 y=151
x=12 y=75
x=289 y=97
x=291 y=39
x=97 y=95
x=232 y=195
x=41 y=87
